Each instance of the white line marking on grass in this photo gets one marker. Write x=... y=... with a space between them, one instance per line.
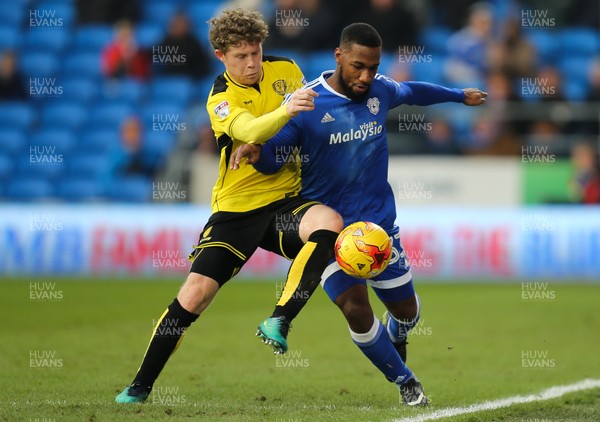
x=547 y=394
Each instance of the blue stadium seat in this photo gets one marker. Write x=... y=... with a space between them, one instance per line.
x=52 y=39
x=202 y=89
x=39 y=64
x=131 y=189
x=80 y=89
x=109 y=115
x=89 y=165
x=9 y=37
x=162 y=112
x=80 y=190
x=11 y=14
x=575 y=68
x=29 y=189
x=432 y=71
x=12 y=142
x=16 y=115
x=92 y=38
x=41 y=162
x=127 y=90
x=545 y=44
x=81 y=64
x=316 y=63
x=159 y=11
x=575 y=90
x=579 y=42
x=201 y=12
x=435 y=39
x=67 y=115
x=62 y=11
x=149 y=34
x=62 y=139
x=156 y=147
x=98 y=142
x=6 y=166
x=172 y=89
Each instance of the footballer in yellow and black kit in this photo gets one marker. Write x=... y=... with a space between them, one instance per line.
x=246 y=204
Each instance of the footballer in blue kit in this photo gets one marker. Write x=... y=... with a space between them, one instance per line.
x=343 y=150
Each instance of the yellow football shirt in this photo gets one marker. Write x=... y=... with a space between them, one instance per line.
x=228 y=106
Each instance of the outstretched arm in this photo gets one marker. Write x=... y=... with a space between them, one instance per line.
x=425 y=93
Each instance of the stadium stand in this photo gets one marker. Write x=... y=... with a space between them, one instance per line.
x=80 y=117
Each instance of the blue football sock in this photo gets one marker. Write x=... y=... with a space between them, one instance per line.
x=398 y=329
x=381 y=352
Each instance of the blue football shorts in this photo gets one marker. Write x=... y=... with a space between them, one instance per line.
x=393 y=284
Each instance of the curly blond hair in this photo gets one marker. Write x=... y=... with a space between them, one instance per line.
x=234 y=26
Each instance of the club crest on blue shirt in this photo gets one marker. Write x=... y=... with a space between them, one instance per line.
x=280 y=87
x=373 y=104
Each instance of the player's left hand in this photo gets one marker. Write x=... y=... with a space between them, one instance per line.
x=249 y=151
x=474 y=96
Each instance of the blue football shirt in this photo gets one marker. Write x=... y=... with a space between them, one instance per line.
x=342 y=146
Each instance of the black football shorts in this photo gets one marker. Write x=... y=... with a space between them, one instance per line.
x=229 y=239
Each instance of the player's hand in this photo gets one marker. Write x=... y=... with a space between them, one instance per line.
x=249 y=151
x=474 y=96
x=301 y=100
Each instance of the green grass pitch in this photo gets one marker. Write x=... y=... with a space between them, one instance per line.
x=67 y=351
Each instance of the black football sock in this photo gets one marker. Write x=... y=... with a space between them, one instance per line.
x=167 y=336
x=305 y=273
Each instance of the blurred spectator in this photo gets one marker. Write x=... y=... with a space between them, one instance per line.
x=400 y=72
x=123 y=57
x=592 y=126
x=469 y=47
x=12 y=86
x=450 y=13
x=513 y=54
x=440 y=139
x=594 y=79
x=545 y=138
x=550 y=84
x=586 y=181
x=181 y=43
x=107 y=11
x=583 y=13
x=128 y=159
x=395 y=22
x=484 y=133
x=303 y=25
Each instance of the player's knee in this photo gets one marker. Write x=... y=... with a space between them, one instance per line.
x=197 y=292
x=407 y=309
x=332 y=220
x=320 y=217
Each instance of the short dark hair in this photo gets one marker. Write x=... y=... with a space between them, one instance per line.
x=360 y=33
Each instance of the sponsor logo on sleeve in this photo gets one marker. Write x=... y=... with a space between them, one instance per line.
x=222 y=109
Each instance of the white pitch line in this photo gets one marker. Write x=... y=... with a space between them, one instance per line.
x=547 y=394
